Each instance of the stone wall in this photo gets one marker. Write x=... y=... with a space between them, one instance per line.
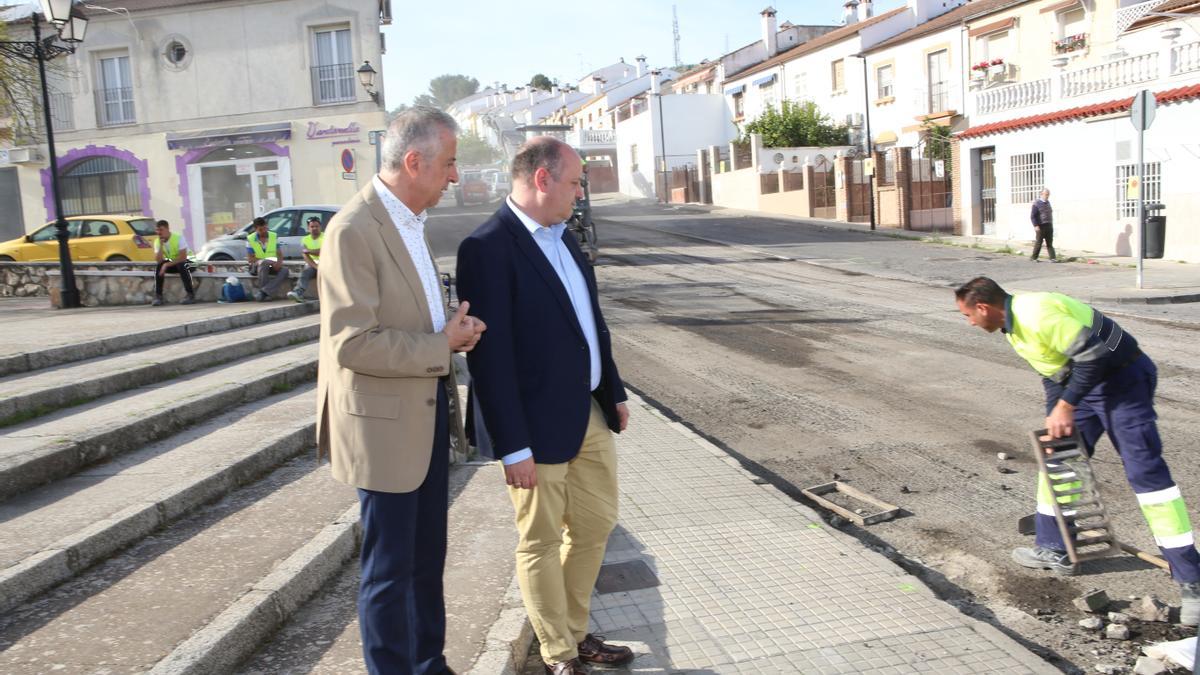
x=129 y=283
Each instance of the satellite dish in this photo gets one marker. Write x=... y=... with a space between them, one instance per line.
x=778 y=158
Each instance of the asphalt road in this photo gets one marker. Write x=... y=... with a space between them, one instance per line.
x=815 y=354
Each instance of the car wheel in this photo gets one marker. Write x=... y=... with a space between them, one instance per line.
x=6 y=258
x=223 y=257
x=116 y=258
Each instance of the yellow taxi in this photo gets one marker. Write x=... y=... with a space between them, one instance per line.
x=92 y=239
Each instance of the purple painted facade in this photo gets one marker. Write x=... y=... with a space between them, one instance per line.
x=77 y=155
x=196 y=233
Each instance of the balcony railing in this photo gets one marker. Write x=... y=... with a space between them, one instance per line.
x=61 y=113
x=114 y=107
x=584 y=138
x=1127 y=16
x=333 y=83
x=1185 y=58
x=1119 y=73
x=1013 y=96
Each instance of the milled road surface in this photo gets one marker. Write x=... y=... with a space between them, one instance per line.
x=814 y=354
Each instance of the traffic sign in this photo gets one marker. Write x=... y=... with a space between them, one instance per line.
x=1141 y=113
x=348 y=160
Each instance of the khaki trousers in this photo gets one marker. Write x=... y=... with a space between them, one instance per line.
x=563 y=525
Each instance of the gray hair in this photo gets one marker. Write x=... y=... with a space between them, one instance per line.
x=415 y=129
x=540 y=152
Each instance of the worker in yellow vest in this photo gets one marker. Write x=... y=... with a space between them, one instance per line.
x=170 y=255
x=312 y=255
x=266 y=260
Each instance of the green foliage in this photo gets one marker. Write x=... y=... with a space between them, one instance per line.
x=446 y=89
x=937 y=143
x=542 y=82
x=472 y=149
x=797 y=125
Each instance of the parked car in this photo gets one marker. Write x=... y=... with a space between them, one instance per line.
x=92 y=239
x=472 y=188
x=286 y=222
x=499 y=185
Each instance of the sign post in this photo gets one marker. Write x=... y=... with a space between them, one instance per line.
x=1141 y=114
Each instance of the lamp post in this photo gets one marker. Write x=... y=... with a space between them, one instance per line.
x=366 y=77
x=71 y=28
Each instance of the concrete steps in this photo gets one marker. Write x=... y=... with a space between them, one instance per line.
x=30 y=395
x=60 y=443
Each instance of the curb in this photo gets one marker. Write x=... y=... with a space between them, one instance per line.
x=1150 y=299
x=59 y=459
x=44 y=401
x=56 y=356
x=507 y=645
x=79 y=550
x=238 y=631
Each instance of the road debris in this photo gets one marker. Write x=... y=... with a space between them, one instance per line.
x=1092 y=623
x=1116 y=631
x=1118 y=617
x=1095 y=600
x=884 y=511
x=1147 y=665
x=1150 y=608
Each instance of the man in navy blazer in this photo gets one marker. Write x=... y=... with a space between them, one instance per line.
x=549 y=394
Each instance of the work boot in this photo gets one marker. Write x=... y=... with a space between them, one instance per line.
x=189 y=300
x=157 y=301
x=1039 y=558
x=1189 y=605
x=295 y=296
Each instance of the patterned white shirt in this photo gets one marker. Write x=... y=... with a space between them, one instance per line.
x=412 y=230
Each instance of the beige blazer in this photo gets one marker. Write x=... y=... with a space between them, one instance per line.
x=380 y=359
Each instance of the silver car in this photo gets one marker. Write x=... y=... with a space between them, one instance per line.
x=288 y=223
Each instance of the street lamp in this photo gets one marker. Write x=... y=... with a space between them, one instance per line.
x=71 y=28
x=366 y=77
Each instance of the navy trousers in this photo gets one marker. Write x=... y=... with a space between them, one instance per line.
x=401 y=610
x=1123 y=406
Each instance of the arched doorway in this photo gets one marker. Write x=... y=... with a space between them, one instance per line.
x=100 y=185
x=230 y=185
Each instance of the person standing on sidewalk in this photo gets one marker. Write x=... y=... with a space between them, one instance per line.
x=382 y=405
x=550 y=396
x=1097 y=380
x=266 y=261
x=312 y=256
x=170 y=253
x=1042 y=217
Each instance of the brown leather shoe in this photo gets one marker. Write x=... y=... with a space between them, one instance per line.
x=572 y=667
x=593 y=650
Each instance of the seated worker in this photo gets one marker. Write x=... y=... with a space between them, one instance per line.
x=170 y=252
x=262 y=250
x=312 y=255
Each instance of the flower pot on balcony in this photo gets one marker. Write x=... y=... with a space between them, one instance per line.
x=997 y=69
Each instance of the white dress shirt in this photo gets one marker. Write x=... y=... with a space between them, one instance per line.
x=412 y=230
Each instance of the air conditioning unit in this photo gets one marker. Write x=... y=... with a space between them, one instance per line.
x=854 y=120
x=21 y=155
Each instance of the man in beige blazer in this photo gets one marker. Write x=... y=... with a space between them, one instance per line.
x=382 y=407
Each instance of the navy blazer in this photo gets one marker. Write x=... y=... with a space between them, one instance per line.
x=531 y=372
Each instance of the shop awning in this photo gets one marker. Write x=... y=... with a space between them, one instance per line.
x=764 y=80
x=254 y=133
x=734 y=91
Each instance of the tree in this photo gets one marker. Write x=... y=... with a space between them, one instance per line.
x=20 y=93
x=446 y=89
x=472 y=149
x=542 y=82
x=937 y=142
x=396 y=112
x=798 y=125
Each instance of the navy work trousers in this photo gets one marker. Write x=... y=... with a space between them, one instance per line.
x=401 y=609
x=1123 y=406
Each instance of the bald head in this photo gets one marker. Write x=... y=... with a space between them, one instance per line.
x=547 y=179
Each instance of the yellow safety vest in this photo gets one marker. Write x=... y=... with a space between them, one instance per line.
x=172 y=246
x=311 y=244
x=272 y=245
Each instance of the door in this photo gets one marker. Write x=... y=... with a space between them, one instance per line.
x=12 y=225
x=987 y=191
x=43 y=244
x=824 y=189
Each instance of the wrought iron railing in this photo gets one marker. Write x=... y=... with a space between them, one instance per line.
x=333 y=83
x=114 y=107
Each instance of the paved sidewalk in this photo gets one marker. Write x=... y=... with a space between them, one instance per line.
x=752 y=582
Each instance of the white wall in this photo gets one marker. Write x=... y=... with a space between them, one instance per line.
x=911 y=83
x=690 y=121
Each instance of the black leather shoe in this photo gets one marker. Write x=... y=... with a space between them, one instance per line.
x=593 y=650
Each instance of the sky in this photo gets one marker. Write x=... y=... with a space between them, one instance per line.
x=508 y=42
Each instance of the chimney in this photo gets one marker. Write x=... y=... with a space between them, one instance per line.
x=865 y=10
x=920 y=10
x=654 y=83
x=641 y=67
x=769 y=33
x=597 y=84
x=850 y=12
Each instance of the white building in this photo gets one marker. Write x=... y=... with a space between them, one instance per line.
x=208 y=113
x=1061 y=121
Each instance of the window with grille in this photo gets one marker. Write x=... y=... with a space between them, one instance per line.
x=938 y=73
x=333 y=76
x=1027 y=176
x=100 y=185
x=1151 y=186
x=114 y=96
x=885 y=87
x=838 y=69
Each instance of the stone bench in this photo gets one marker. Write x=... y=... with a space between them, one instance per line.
x=104 y=287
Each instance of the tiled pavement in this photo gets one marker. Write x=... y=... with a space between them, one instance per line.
x=752 y=582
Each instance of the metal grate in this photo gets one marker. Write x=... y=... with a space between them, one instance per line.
x=1028 y=174
x=1151 y=183
x=333 y=84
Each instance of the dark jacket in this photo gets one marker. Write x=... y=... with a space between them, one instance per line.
x=1042 y=213
x=531 y=372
